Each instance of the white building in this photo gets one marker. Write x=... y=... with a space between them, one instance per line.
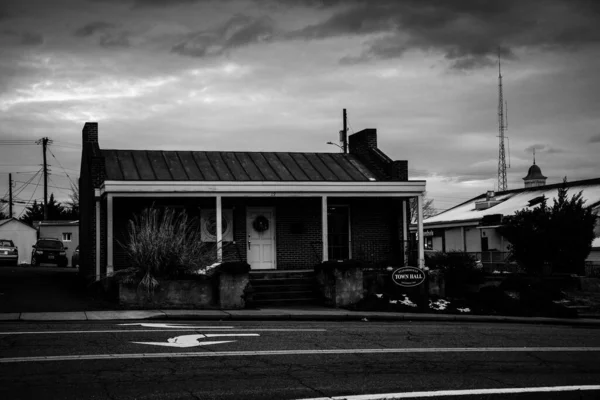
x=472 y=226
x=23 y=236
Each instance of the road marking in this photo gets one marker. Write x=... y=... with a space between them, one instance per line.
x=167 y=325
x=299 y=352
x=192 y=340
x=212 y=328
x=468 y=392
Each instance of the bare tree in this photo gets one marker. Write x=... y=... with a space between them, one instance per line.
x=428 y=208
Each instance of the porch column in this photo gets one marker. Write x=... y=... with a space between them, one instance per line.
x=109 y=235
x=219 y=218
x=464 y=238
x=324 y=228
x=420 y=230
x=98 y=233
x=404 y=233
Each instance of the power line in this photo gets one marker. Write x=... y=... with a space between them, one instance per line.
x=19 y=190
x=32 y=194
x=60 y=165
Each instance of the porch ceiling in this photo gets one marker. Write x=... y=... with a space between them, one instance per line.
x=262 y=189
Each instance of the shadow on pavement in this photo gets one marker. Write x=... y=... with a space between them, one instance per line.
x=47 y=289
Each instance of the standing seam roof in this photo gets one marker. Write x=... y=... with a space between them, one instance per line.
x=150 y=165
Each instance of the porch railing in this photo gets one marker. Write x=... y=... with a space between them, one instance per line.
x=495 y=261
x=377 y=253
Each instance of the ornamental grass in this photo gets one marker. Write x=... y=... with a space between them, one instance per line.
x=163 y=243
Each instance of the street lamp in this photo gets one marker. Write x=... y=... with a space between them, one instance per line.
x=335 y=144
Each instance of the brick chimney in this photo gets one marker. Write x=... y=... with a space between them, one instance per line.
x=90 y=132
x=363 y=145
x=361 y=142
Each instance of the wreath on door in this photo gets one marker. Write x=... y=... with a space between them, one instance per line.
x=260 y=224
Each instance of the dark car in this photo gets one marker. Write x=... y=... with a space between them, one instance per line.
x=75 y=258
x=9 y=253
x=49 y=251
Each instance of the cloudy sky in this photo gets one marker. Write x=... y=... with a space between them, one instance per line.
x=274 y=75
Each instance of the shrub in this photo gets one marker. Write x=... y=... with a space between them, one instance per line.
x=459 y=269
x=163 y=243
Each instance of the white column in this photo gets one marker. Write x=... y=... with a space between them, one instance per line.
x=109 y=235
x=405 y=224
x=98 y=233
x=420 y=230
x=219 y=217
x=324 y=228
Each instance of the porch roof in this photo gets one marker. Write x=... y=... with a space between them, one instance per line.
x=215 y=166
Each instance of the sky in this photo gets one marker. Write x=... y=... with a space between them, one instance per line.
x=275 y=75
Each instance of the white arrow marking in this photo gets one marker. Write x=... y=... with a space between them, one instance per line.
x=192 y=340
x=175 y=326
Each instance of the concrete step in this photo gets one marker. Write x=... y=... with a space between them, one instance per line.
x=287 y=295
x=287 y=302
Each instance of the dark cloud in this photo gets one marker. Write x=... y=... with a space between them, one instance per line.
x=468 y=33
x=155 y=3
x=595 y=139
x=108 y=34
x=93 y=28
x=25 y=38
x=238 y=31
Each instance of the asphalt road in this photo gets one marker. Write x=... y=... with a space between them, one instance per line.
x=292 y=360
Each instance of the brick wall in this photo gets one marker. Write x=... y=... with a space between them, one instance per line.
x=376 y=226
x=299 y=239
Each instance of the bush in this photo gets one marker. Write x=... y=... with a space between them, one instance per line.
x=459 y=269
x=163 y=243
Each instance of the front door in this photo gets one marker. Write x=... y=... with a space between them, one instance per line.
x=260 y=227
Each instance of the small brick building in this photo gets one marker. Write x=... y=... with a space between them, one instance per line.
x=315 y=206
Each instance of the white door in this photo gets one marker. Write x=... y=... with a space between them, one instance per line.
x=260 y=229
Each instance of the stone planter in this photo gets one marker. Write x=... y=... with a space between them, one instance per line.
x=232 y=287
x=340 y=284
x=224 y=290
x=189 y=293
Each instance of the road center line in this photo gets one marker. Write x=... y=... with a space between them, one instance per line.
x=469 y=392
x=299 y=352
x=211 y=328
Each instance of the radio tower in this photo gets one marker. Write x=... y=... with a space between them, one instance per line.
x=501 y=128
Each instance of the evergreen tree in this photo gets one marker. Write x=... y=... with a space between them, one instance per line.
x=71 y=210
x=35 y=212
x=560 y=236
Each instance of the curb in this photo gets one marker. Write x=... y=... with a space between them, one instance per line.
x=281 y=315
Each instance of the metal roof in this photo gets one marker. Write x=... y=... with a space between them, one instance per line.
x=156 y=165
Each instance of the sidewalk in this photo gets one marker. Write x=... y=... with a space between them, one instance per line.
x=280 y=314
x=53 y=294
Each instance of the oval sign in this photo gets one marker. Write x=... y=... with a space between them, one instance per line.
x=408 y=276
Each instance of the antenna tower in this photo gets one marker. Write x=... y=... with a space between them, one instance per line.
x=502 y=185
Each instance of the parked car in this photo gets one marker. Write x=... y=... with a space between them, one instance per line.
x=49 y=251
x=75 y=258
x=9 y=253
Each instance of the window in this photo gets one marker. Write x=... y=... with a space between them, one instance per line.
x=338 y=232
x=66 y=236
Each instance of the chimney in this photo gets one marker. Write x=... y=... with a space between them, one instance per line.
x=361 y=142
x=90 y=132
x=489 y=195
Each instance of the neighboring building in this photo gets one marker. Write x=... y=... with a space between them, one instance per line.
x=23 y=236
x=66 y=231
x=472 y=225
x=278 y=210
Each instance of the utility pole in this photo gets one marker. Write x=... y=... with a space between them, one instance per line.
x=344 y=132
x=10 y=202
x=44 y=145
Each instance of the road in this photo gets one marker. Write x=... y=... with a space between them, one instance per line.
x=292 y=360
